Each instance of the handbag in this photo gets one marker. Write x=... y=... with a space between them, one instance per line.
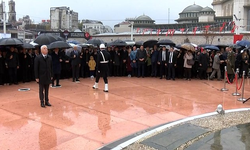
x=190 y=62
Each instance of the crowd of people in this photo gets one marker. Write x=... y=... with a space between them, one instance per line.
x=165 y=62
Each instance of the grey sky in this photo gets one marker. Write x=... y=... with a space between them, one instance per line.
x=110 y=12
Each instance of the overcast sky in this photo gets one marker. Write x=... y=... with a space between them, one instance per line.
x=110 y=12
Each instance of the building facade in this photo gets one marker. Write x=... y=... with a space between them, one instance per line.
x=62 y=18
x=95 y=27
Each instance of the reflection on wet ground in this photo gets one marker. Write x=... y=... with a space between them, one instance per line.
x=236 y=137
x=83 y=118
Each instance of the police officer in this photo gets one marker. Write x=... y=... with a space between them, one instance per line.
x=102 y=61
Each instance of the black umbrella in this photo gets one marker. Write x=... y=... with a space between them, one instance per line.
x=45 y=39
x=59 y=44
x=58 y=38
x=204 y=45
x=28 y=46
x=150 y=43
x=118 y=42
x=139 y=43
x=10 y=41
x=95 y=42
x=166 y=42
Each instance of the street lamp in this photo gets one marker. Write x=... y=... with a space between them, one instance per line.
x=132 y=30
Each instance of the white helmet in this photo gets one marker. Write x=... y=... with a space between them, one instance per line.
x=102 y=46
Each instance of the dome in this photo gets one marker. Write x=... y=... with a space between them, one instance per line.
x=143 y=17
x=207 y=9
x=192 y=8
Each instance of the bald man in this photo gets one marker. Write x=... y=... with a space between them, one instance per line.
x=43 y=75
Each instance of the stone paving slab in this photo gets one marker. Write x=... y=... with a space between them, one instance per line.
x=236 y=137
x=174 y=137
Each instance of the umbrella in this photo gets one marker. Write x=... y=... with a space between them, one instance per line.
x=34 y=44
x=130 y=42
x=10 y=41
x=45 y=39
x=188 y=46
x=58 y=38
x=150 y=43
x=74 y=42
x=212 y=47
x=243 y=43
x=118 y=42
x=28 y=46
x=59 y=44
x=166 y=42
x=204 y=45
x=139 y=43
x=84 y=45
x=95 y=42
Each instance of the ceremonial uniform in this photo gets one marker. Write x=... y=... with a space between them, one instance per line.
x=102 y=67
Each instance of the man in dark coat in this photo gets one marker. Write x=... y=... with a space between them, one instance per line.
x=56 y=61
x=154 y=60
x=24 y=64
x=230 y=63
x=102 y=67
x=2 y=66
x=162 y=61
x=124 y=57
x=75 y=64
x=12 y=61
x=65 y=65
x=171 y=63
x=203 y=64
x=43 y=74
x=141 y=56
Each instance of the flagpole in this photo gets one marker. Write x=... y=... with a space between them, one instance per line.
x=132 y=30
x=4 y=18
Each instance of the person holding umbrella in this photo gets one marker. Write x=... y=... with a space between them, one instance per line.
x=102 y=67
x=75 y=63
x=43 y=74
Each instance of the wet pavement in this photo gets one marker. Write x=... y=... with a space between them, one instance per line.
x=83 y=118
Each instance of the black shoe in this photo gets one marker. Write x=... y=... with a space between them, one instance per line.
x=42 y=105
x=173 y=79
x=105 y=91
x=47 y=104
x=77 y=80
x=160 y=77
x=58 y=85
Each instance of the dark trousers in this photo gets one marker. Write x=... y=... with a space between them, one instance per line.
x=171 y=71
x=163 y=69
x=116 y=70
x=134 y=71
x=75 y=72
x=12 y=74
x=57 y=78
x=123 y=69
x=188 y=73
x=1 y=78
x=104 y=70
x=154 y=69
x=44 y=92
x=25 y=74
x=141 y=69
x=92 y=73
x=83 y=72
x=203 y=73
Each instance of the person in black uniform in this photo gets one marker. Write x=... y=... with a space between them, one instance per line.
x=102 y=67
x=43 y=74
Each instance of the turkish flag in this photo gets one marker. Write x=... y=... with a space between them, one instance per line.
x=158 y=31
x=207 y=27
x=182 y=30
x=195 y=29
x=238 y=38
x=223 y=26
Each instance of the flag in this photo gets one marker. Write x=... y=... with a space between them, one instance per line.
x=172 y=32
x=143 y=31
x=151 y=31
x=234 y=26
x=207 y=27
x=223 y=26
x=158 y=31
x=137 y=30
x=182 y=30
x=195 y=29
x=168 y=31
